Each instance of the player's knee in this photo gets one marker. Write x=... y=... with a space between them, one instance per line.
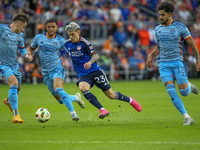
x=83 y=89
x=111 y=95
x=185 y=92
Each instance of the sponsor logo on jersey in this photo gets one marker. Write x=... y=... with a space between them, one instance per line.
x=78 y=47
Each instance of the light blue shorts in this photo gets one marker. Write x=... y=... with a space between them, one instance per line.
x=49 y=79
x=6 y=72
x=174 y=70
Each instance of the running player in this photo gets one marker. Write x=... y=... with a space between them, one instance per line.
x=170 y=36
x=12 y=40
x=84 y=58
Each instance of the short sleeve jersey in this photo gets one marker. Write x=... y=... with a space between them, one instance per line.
x=170 y=40
x=80 y=53
x=10 y=43
x=48 y=51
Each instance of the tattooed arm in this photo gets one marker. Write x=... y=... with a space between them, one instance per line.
x=193 y=46
x=154 y=53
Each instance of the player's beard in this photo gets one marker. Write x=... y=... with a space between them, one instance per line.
x=165 y=22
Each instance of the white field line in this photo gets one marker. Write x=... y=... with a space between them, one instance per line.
x=110 y=142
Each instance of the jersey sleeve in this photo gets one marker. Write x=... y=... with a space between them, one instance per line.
x=90 y=49
x=185 y=33
x=21 y=45
x=156 y=35
x=62 y=41
x=34 y=43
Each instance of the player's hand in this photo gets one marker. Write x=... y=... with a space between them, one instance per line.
x=150 y=61
x=198 y=65
x=87 y=65
x=28 y=57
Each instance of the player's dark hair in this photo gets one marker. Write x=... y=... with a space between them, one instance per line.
x=168 y=7
x=51 y=20
x=21 y=17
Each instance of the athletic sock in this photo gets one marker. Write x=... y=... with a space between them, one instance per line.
x=13 y=98
x=122 y=97
x=185 y=115
x=175 y=98
x=92 y=99
x=65 y=98
x=15 y=112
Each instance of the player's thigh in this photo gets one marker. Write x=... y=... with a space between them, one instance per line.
x=58 y=76
x=48 y=80
x=100 y=80
x=167 y=75
x=180 y=72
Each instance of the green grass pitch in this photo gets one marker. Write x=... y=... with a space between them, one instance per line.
x=159 y=126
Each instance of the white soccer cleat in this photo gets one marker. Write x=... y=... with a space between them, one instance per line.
x=74 y=116
x=194 y=89
x=80 y=101
x=188 y=121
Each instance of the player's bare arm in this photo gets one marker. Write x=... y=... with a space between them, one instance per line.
x=193 y=46
x=94 y=58
x=30 y=51
x=150 y=57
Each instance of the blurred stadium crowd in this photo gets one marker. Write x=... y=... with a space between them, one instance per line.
x=122 y=32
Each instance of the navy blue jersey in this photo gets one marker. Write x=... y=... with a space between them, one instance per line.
x=80 y=53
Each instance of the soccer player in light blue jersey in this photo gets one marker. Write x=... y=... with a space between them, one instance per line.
x=170 y=36
x=49 y=45
x=84 y=56
x=12 y=40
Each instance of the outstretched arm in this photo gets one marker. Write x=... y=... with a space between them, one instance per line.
x=154 y=53
x=193 y=46
x=94 y=58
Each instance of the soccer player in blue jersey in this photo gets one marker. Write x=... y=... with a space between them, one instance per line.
x=170 y=36
x=49 y=45
x=84 y=56
x=12 y=40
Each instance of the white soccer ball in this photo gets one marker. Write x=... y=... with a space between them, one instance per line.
x=42 y=115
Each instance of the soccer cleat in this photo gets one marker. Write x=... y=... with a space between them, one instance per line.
x=135 y=105
x=74 y=116
x=188 y=121
x=194 y=89
x=5 y=102
x=103 y=113
x=80 y=101
x=17 y=119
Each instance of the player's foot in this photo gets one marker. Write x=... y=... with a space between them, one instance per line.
x=194 y=89
x=5 y=102
x=188 y=121
x=74 y=116
x=80 y=101
x=103 y=113
x=135 y=105
x=17 y=119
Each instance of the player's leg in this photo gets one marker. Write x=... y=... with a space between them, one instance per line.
x=58 y=87
x=184 y=86
x=84 y=84
x=117 y=95
x=168 y=78
x=13 y=98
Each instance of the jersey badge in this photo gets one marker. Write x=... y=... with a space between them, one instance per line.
x=91 y=47
x=78 y=47
x=55 y=44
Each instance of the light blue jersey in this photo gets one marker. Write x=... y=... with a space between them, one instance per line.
x=170 y=39
x=48 y=52
x=10 y=43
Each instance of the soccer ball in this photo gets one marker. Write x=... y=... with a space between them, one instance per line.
x=42 y=115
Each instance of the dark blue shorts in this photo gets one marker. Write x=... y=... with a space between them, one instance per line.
x=98 y=78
